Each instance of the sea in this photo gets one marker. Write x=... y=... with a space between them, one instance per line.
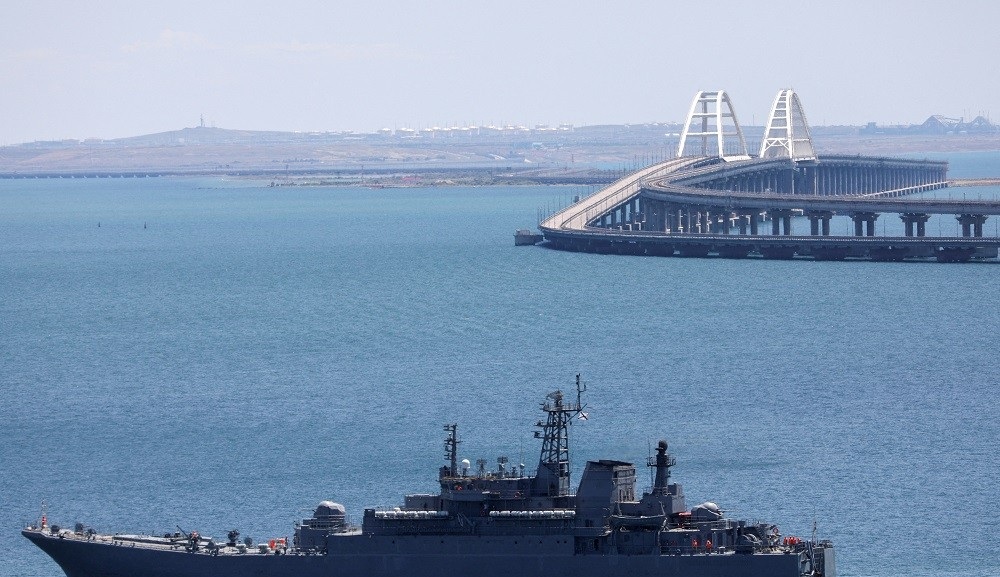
x=216 y=353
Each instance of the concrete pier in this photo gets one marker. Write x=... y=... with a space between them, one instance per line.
x=910 y=219
x=819 y=222
x=972 y=224
x=865 y=219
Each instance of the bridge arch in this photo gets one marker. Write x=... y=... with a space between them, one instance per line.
x=787 y=134
x=710 y=120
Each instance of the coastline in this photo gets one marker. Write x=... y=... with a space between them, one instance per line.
x=577 y=157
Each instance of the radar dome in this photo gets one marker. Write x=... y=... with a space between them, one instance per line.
x=707 y=511
x=330 y=509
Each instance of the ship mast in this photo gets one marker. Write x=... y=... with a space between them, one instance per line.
x=662 y=462
x=451 y=450
x=553 y=477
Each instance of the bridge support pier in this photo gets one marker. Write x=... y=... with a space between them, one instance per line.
x=687 y=221
x=671 y=218
x=972 y=224
x=911 y=218
x=746 y=217
x=725 y=221
x=806 y=179
x=781 y=218
x=818 y=217
x=864 y=223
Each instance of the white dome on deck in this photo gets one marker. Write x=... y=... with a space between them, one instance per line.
x=329 y=509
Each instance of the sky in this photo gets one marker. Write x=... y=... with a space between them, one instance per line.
x=93 y=69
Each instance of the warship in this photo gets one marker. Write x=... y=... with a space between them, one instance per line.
x=491 y=523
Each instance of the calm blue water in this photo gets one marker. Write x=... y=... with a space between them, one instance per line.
x=218 y=354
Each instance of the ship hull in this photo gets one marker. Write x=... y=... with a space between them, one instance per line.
x=364 y=556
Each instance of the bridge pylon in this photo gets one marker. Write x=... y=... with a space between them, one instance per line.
x=709 y=121
x=787 y=134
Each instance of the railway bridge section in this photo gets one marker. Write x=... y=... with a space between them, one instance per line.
x=716 y=199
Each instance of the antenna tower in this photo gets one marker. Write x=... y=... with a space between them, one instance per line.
x=553 y=463
x=451 y=449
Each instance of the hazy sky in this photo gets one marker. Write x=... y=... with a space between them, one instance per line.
x=112 y=69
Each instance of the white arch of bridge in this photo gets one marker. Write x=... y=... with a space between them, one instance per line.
x=710 y=120
x=787 y=133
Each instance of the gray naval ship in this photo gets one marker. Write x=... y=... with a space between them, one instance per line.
x=490 y=523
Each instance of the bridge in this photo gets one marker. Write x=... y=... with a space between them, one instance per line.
x=717 y=199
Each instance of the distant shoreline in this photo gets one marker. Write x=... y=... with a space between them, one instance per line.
x=395 y=177
x=588 y=157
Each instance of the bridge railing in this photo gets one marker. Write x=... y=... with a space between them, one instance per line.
x=689 y=195
x=579 y=214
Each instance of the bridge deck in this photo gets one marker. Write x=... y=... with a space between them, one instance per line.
x=671 y=192
x=576 y=216
x=676 y=183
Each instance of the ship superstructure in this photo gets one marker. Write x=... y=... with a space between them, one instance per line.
x=501 y=519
